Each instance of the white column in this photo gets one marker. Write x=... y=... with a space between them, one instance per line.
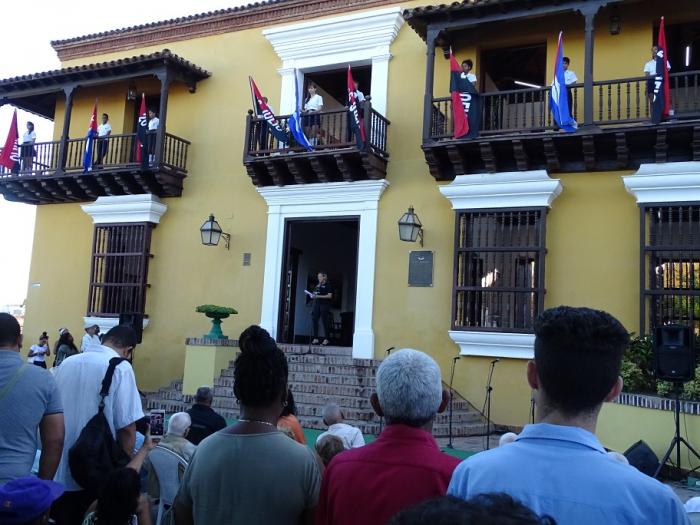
x=287 y=97
x=380 y=82
x=363 y=339
x=271 y=280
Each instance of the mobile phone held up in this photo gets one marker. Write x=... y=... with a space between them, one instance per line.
x=157 y=423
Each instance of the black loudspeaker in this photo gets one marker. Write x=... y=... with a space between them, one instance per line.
x=135 y=321
x=642 y=458
x=673 y=353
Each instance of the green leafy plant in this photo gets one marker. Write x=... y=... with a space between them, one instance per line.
x=636 y=369
x=223 y=311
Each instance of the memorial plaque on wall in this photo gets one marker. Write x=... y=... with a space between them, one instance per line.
x=420 y=268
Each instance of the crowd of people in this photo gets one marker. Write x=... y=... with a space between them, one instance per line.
x=259 y=470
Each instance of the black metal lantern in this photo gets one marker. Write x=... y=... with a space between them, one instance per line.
x=410 y=227
x=211 y=233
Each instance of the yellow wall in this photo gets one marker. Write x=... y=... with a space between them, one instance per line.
x=592 y=231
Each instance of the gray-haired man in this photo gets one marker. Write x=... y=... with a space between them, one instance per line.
x=204 y=420
x=333 y=417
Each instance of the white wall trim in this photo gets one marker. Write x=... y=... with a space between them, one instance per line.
x=126 y=209
x=667 y=182
x=494 y=344
x=357 y=39
x=519 y=189
x=333 y=199
x=106 y=323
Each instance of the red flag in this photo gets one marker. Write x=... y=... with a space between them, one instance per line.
x=10 y=152
x=264 y=111
x=354 y=113
x=459 y=115
x=667 y=85
x=142 y=128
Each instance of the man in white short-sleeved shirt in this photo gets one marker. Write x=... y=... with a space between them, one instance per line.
x=349 y=435
x=650 y=67
x=153 y=123
x=79 y=380
x=104 y=130
x=467 y=67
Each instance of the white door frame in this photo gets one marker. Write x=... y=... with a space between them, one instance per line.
x=332 y=199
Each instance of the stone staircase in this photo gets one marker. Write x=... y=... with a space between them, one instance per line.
x=320 y=375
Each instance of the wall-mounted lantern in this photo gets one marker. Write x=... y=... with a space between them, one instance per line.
x=410 y=227
x=212 y=233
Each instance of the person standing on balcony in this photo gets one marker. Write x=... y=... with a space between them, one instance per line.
x=467 y=74
x=360 y=98
x=104 y=130
x=312 y=120
x=153 y=123
x=262 y=133
x=28 y=151
x=650 y=73
x=569 y=78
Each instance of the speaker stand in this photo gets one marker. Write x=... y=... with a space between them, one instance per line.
x=677 y=438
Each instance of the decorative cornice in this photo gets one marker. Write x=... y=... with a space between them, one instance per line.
x=520 y=189
x=328 y=193
x=205 y=24
x=126 y=209
x=494 y=344
x=668 y=182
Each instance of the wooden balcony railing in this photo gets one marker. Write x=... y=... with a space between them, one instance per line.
x=112 y=153
x=615 y=102
x=333 y=133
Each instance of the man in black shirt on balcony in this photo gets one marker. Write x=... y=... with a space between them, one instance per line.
x=204 y=420
x=323 y=297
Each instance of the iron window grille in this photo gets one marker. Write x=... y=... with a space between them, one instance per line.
x=670 y=266
x=118 y=276
x=498 y=269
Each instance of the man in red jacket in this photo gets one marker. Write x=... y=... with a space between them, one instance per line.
x=404 y=466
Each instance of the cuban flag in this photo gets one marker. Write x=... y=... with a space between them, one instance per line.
x=295 y=120
x=142 y=135
x=262 y=109
x=661 y=103
x=9 y=157
x=354 y=115
x=90 y=140
x=558 y=97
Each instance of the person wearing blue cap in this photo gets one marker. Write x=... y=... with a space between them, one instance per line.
x=27 y=501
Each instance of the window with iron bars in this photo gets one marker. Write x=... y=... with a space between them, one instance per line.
x=670 y=266
x=118 y=276
x=499 y=269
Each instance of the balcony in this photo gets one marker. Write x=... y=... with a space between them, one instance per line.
x=517 y=131
x=43 y=180
x=336 y=156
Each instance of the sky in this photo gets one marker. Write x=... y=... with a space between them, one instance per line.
x=24 y=41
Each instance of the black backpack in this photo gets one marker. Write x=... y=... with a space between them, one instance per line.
x=96 y=454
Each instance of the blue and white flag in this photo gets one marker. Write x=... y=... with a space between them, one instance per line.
x=295 y=124
x=90 y=140
x=558 y=96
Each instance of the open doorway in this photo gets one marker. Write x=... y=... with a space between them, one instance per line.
x=332 y=85
x=311 y=246
x=510 y=68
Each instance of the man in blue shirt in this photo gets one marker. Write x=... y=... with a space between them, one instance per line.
x=558 y=467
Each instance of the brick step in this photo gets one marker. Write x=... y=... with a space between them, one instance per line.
x=333 y=360
x=318 y=350
x=333 y=379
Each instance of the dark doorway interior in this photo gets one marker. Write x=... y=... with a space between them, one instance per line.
x=313 y=246
x=501 y=68
x=334 y=83
x=683 y=45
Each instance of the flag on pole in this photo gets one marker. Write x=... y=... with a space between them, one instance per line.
x=558 y=96
x=142 y=135
x=466 y=103
x=90 y=140
x=295 y=120
x=356 y=122
x=263 y=110
x=10 y=152
x=661 y=103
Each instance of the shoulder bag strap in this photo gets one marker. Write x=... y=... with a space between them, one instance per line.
x=19 y=373
x=107 y=381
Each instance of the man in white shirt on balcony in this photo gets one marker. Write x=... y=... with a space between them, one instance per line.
x=569 y=78
x=312 y=121
x=467 y=67
x=650 y=72
x=153 y=123
x=104 y=130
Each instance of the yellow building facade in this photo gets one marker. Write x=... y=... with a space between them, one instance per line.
x=592 y=216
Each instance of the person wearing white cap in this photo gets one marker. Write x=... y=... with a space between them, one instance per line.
x=90 y=338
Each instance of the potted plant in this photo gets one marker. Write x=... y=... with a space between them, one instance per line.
x=216 y=314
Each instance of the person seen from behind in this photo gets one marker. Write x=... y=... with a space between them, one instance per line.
x=205 y=421
x=39 y=353
x=65 y=347
x=288 y=420
x=334 y=418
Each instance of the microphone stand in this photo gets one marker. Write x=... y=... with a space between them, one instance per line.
x=381 y=419
x=489 y=389
x=532 y=408
x=452 y=396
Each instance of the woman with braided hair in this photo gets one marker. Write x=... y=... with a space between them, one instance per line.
x=250 y=472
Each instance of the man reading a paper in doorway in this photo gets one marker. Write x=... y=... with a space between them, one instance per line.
x=322 y=297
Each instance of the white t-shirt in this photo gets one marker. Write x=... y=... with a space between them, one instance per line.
x=28 y=137
x=315 y=103
x=79 y=380
x=359 y=95
x=40 y=352
x=153 y=124
x=471 y=77
x=88 y=341
x=570 y=77
x=104 y=129
x=650 y=67
x=351 y=436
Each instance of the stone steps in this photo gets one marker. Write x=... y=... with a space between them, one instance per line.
x=317 y=376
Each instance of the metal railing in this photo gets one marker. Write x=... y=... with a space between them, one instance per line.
x=326 y=131
x=113 y=152
x=615 y=102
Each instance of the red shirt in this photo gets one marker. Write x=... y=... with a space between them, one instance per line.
x=370 y=484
